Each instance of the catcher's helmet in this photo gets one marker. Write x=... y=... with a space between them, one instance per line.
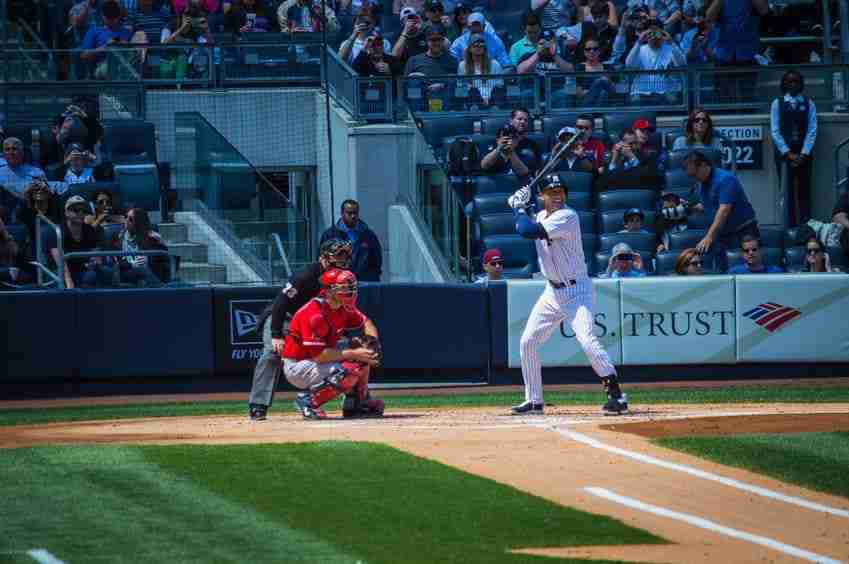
x=336 y=253
x=341 y=284
x=552 y=181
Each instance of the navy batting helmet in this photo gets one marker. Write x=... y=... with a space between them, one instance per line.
x=552 y=181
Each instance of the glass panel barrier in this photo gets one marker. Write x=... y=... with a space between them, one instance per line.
x=235 y=208
x=341 y=81
x=269 y=57
x=615 y=90
x=481 y=94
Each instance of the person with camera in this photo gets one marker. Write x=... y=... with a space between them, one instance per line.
x=546 y=59
x=671 y=219
x=624 y=263
x=556 y=13
x=413 y=39
x=364 y=29
x=576 y=157
x=99 y=39
x=104 y=211
x=666 y=12
x=250 y=16
x=192 y=26
x=634 y=22
x=513 y=152
x=528 y=44
x=39 y=200
x=624 y=154
x=724 y=202
x=374 y=60
x=655 y=51
x=699 y=42
x=300 y=16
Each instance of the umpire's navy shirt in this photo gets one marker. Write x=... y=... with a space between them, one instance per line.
x=722 y=187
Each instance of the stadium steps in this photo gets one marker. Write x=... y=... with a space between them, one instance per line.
x=201 y=272
x=194 y=257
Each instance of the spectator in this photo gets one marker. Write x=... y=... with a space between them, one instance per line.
x=73 y=126
x=150 y=20
x=493 y=266
x=72 y=38
x=737 y=43
x=584 y=125
x=699 y=42
x=250 y=16
x=655 y=50
x=840 y=216
x=513 y=151
x=457 y=26
x=77 y=236
x=594 y=91
x=476 y=61
x=413 y=39
x=546 y=59
x=646 y=150
x=816 y=258
x=576 y=157
x=39 y=200
x=494 y=45
x=624 y=154
x=374 y=61
x=698 y=133
x=16 y=175
x=138 y=235
x=556 y=14
x=726 y=206
x=666 y=12
x=753 y=259
x=363 y=30
x=367 y=255
x=192 y=26
x=633 y=220
x=436 y=60
x=605 y=27
x=624 y=263
x=671 y=219
x=305 y=15
x=634 y=23
x=434 y=12
x=528 y=44
x=207 y=6
x=77 y=167
x=689 y=263
x=100 y=38
x=104 y=211
x=13 y=266
x=793 y=124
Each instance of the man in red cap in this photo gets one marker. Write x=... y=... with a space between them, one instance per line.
x=645 y=149
x=493 y=266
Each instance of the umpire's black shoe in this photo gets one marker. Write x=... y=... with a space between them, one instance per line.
x=616 y=406
x=527 y=408
x=257 y=412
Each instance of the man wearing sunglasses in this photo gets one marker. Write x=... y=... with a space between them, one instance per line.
x=493 y=266
x=78 y=236
x=753 y=262
x=624 y=263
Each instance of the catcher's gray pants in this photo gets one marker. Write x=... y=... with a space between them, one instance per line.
x=305 y=374
x=267 y=369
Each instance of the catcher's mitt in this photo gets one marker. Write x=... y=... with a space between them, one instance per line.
x=370 y=343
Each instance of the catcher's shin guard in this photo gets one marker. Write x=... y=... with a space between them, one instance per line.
x=341 y=381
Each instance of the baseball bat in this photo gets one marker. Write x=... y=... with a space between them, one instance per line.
x=553 y=161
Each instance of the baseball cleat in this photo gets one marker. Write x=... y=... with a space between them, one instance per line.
x=257 y=412
x=520 y=199
x=303 y=403
x=527 y=408
x=616 y=406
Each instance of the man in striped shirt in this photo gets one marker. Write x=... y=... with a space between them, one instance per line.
x=655 y=50
x=568 y=294
x=149 y=20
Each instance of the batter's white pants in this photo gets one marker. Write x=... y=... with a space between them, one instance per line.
x=574 y=306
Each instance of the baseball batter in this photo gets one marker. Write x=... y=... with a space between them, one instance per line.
x=568 y=294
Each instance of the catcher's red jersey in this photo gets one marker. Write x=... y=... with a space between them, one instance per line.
x=316 y=327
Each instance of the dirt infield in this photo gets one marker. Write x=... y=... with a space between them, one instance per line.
x=572 y=456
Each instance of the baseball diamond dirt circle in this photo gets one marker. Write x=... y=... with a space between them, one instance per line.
x=574 y=457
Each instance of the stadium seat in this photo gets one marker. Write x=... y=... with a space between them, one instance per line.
x=495 y=183
x=643 y=242
x=676 y=158
x=794 y=258
x=602 y=258
x=838 y=258
x=552 y=124
x=491 y=125
x=688 y=239
x=231 y=186
x=615 y=122
x=665 y=262
x=435 y=129
x=791 y=237
x=613 y=221
x=698 y=221
x=587 y=222
x=129 y=141
x=495 y=224
x=520 y=255
x=139 y=185
x=490 y=203
x=577 y=181
x=87 y=190
x=771 y=255
x=678 y=181
x=624 y=199
x=17 y=231
x=771 y=236
x=590 y=244
x=580 y=201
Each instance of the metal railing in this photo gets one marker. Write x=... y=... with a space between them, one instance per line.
x=617 y=90
x=365 y=98
x=460 y=95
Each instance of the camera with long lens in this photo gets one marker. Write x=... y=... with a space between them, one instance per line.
x=677 y=213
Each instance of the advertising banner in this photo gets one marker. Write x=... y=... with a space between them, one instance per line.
x=562 y=349
x=238 y=344
x=793 y=318
x=678 y=320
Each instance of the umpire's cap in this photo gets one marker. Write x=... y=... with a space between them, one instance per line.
x=552 y=181
x=331 y=250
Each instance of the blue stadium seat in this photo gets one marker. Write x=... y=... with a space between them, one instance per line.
x=678 y=181
x=794 y=258
x=552 y=124
x=496 y=183
x=665 y=262
x=231 y=186
x=580 y=201
x=791 y=237
x=615 y=122
x=17 y=231
x=577 y=181
x=624 y=199
x=87 y=190
x=771 y=255
x=771 y=236
x=490 y=203
x=589 y=242
x=613 y=221
x=520 y=255
x=496 y=224
x=698 y=221
x=491 y=125
x=643 y=242
x=139 y=185
x=587 y=222
x=838 y=258
x=688 y=239
x=435 y=129
x=676 y=158
x=129 y=141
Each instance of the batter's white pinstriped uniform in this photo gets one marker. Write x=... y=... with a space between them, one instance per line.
x=561 y=261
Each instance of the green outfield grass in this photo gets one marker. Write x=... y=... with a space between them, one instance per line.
x=819 y=461
x=317 y=502
x=730 y=394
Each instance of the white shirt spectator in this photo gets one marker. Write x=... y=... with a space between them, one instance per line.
x=644 y=57
x=484 y=86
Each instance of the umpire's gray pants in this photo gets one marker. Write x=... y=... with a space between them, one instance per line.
x=267 y=369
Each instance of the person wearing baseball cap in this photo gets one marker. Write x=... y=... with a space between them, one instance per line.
x=655 y=51
x=476 y=24
x=633 y=220
x=546 y=59
x=412 y=40
x=493 y=266
x=575 y=157
x=78 y=236
x=436 y=61
x=435 y=12
x=624 y=263
x=76 y=167
x=374 y=60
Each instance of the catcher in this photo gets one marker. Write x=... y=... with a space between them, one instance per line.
x=313 y=359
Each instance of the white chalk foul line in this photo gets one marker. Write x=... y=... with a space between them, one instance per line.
x=711 y=526
x=757 y=490
x=43 y=557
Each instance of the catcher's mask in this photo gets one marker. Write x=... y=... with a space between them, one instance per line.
x=336 y=253
x=340 y=284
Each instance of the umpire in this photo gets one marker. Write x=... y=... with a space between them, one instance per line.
x=334 y=253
